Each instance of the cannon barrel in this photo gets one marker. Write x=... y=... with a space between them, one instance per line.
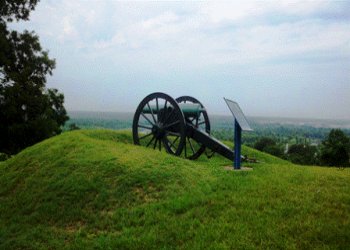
x=188 y=109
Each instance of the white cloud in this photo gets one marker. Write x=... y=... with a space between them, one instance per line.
x=215 y=32
x=192 y=38
x=160 y=21
x=69 y=32
x=217 y=12
x=291 y=39
x=301 y=7
x=228 y=11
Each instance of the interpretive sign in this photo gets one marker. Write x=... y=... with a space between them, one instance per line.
x=238 y=115
x=241 y=123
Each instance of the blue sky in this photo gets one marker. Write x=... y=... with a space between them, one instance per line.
x=288 y=58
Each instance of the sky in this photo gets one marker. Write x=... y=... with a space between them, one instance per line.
x=275 y=58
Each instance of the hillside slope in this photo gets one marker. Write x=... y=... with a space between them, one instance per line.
x=93 y=189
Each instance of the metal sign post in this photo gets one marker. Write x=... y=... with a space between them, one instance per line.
x=237 y=147
x=241 y=124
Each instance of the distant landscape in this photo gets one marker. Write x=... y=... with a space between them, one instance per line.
x=284 y=130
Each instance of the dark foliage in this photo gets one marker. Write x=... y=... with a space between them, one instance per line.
x=269 y=145
x=335 y=149
x=16 y=9
x=4 y=157
x=73 y=126
x=303 y=154
x=28 y=111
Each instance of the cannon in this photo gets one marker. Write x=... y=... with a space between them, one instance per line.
x=179 y=126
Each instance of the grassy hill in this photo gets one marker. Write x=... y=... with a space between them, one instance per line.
x=93 y=189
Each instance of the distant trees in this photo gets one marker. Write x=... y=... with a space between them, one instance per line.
x=28 y=111
x=335 y=149
x=269 y=145
x=73 y=126
x=308 y=145
x=303 y=154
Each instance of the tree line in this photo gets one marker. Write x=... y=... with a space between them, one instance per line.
x=333 y=151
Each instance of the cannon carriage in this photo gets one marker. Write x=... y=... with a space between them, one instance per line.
x=179 y=126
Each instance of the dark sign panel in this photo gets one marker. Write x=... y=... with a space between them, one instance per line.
x=238 y=115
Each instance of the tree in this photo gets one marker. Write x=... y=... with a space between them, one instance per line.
x=73 y=126
x=302 y=154
x=269 y=146
x=335 y=149
x=28 y=111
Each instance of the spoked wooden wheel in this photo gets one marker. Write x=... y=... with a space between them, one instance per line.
x=159 y=122
x=193 y=149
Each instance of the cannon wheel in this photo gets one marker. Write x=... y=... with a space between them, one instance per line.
x=163 y=127
x=195 y=149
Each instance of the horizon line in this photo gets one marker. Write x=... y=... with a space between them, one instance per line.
x=228 y=115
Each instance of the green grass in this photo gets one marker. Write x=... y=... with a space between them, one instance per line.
x=93 y=189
